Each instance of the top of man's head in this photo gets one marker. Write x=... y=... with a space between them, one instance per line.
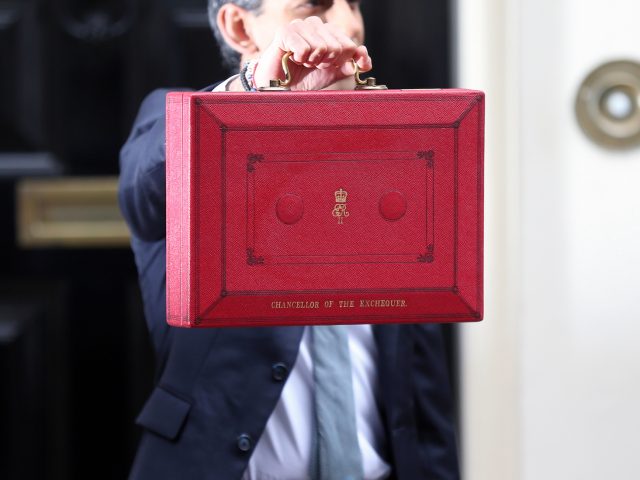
x=230 y=57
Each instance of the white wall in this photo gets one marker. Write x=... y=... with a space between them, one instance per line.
x=551 y=378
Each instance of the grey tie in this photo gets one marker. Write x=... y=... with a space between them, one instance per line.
x=336 y=453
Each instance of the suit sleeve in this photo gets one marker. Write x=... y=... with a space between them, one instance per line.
x=141 y=191
x=142 y=198
x=434 y=407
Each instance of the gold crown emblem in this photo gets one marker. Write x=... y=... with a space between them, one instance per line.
x=341 y=196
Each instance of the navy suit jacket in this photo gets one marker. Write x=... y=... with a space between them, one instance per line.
x=216 y=388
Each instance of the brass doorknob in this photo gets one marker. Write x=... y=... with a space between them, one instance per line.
x=608 y=104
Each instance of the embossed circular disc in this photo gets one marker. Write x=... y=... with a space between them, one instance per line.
x=289 y=208
x=608 y=104
x=393 y=206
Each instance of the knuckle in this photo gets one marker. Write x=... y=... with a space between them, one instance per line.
x=304 y=50
x=334 y=53
x=331 y=29
x=349 y=49
x=336 y=47
x=322 y=49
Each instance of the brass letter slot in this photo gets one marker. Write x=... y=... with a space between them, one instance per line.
x=70 y=212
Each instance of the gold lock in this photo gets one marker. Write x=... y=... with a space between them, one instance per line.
x=366 y=84
x=278 y=85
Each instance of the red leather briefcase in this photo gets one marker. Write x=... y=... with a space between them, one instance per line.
x=290 y=208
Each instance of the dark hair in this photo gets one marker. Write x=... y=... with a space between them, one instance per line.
x=230 y=57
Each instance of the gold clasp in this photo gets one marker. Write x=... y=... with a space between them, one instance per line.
x=278 y=85
x=366 y=84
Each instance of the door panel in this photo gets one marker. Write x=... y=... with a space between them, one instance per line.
x=74 y=73
x=581 y=256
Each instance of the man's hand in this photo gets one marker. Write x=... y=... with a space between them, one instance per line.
x=322 y=55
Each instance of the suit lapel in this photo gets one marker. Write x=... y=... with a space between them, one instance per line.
x=387 y=337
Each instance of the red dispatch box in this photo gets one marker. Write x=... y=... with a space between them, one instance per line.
x=290 y=208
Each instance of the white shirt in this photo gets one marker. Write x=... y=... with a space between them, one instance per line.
x=283 y=452
x=222 y=87
x=284 y=449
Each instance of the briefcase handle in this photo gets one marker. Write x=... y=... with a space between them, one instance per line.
x=278 y=85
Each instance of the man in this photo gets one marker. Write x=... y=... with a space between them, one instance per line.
x=238 y=403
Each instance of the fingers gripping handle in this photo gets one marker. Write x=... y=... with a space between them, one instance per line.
x=277 y=85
